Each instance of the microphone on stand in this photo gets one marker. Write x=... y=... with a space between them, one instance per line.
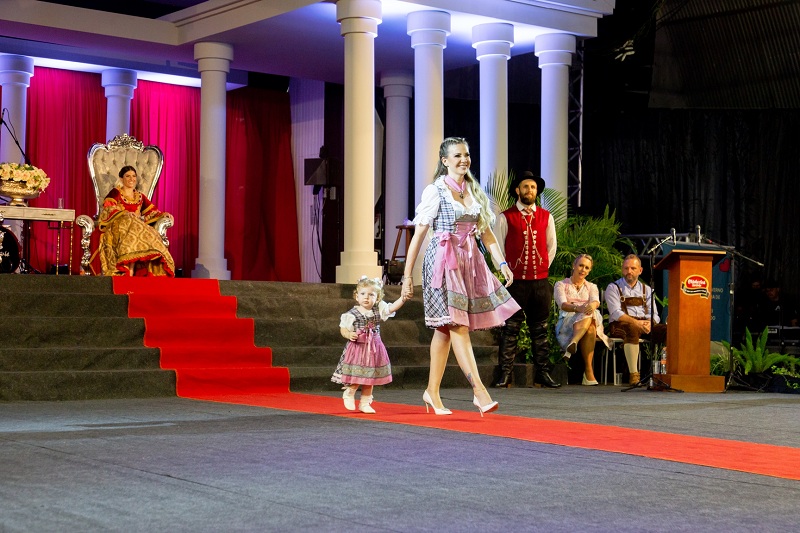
x=13 y=135
x=697 y=231
x=674 y=236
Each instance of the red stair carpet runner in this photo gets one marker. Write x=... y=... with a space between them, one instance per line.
x=200 y=337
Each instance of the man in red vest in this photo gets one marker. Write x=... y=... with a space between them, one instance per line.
x=527 y=235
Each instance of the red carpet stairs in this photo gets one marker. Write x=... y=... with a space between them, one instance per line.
x=70 y=338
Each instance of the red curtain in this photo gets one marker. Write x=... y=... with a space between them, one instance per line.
x=168 y=116
x=67 y=114
x=261 y=237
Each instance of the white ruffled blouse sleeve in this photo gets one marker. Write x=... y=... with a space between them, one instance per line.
x=560 y=293
x=347 y=320
x=428 y=206
x=383 y=311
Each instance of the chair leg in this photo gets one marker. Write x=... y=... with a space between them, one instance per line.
x=614 y=355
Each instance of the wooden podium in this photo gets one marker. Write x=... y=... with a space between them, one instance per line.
x=689 y=329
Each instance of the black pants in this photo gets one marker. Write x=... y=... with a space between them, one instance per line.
x=535 y=297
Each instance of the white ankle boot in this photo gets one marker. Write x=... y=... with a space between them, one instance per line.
x=349 y=397
x=364 y=405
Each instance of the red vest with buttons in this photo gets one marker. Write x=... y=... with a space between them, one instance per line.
x=526 y=243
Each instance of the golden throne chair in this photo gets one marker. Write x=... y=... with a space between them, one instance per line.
x=105 y=161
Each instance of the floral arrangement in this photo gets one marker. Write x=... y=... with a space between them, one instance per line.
x=24 y=175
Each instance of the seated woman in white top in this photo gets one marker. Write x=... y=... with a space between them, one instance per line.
x=579 y=321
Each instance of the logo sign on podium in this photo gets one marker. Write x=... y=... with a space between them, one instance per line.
x=695 y=285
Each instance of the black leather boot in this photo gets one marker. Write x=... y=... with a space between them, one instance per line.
x=541 y=356
x=508 y=351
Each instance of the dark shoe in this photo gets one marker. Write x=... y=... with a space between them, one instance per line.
x=544 y=379
x=504 y=382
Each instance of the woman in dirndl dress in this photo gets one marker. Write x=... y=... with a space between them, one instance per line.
x=579 y=321
x=459 y=292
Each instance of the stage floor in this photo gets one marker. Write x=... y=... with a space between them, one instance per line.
x=186 y=465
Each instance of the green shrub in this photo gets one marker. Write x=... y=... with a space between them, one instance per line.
x=756 y=358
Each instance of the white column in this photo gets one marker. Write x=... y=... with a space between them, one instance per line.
x=213 y=62
x=15 y=78
x=554 y=51
x=119 y=85
x=492 y=43
x=398 y=87
x=428 y=31
x=359 y=21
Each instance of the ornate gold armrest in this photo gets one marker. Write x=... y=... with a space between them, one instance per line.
x=161 y=226
x=87 y=225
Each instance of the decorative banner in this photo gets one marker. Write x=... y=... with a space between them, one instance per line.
x=695 y=285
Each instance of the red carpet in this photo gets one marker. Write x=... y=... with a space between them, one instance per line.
x=215 y=359
x=200 y=337
x=764 y=459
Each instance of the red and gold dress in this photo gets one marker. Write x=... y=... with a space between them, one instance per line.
x=129 y=244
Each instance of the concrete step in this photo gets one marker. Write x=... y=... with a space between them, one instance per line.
x=282 y=289
x=307 y=332
x=328 y=356
x=74 y=332
x=403 y=377
x=80 y=358
x=254 y=306
x=47 y=284
x=86 y=385
x=63 y=304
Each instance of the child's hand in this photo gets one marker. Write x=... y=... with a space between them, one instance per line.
x=347 y=334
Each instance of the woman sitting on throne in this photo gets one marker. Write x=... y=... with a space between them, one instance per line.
x=129 y=244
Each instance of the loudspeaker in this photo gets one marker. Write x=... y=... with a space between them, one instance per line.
x=316 y=171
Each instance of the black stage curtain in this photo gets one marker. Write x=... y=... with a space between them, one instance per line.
x=732 y=172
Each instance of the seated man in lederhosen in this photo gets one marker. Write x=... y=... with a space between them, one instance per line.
x=629 y=313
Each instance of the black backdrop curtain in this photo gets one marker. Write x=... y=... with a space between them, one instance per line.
x=733 y=172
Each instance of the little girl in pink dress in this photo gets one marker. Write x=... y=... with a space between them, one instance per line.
x=364 y=361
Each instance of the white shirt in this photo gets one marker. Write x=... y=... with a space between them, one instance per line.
x=635 y=311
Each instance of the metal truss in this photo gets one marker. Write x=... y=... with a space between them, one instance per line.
x=575 y=128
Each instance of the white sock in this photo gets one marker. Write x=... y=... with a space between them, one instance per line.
x=632 y=356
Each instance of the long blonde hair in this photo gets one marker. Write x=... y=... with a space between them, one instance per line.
x=487 y=217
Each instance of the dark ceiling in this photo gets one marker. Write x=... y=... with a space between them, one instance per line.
x=710 y=54
x=151 y=9
x=686 y=53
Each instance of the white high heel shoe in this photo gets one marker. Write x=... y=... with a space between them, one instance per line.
x=488 y=408
x=428 y=401
x=588 y=382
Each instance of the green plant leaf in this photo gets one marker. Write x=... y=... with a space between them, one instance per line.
x=497 y=189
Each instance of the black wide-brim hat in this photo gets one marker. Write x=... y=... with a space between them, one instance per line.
x=527 y=175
